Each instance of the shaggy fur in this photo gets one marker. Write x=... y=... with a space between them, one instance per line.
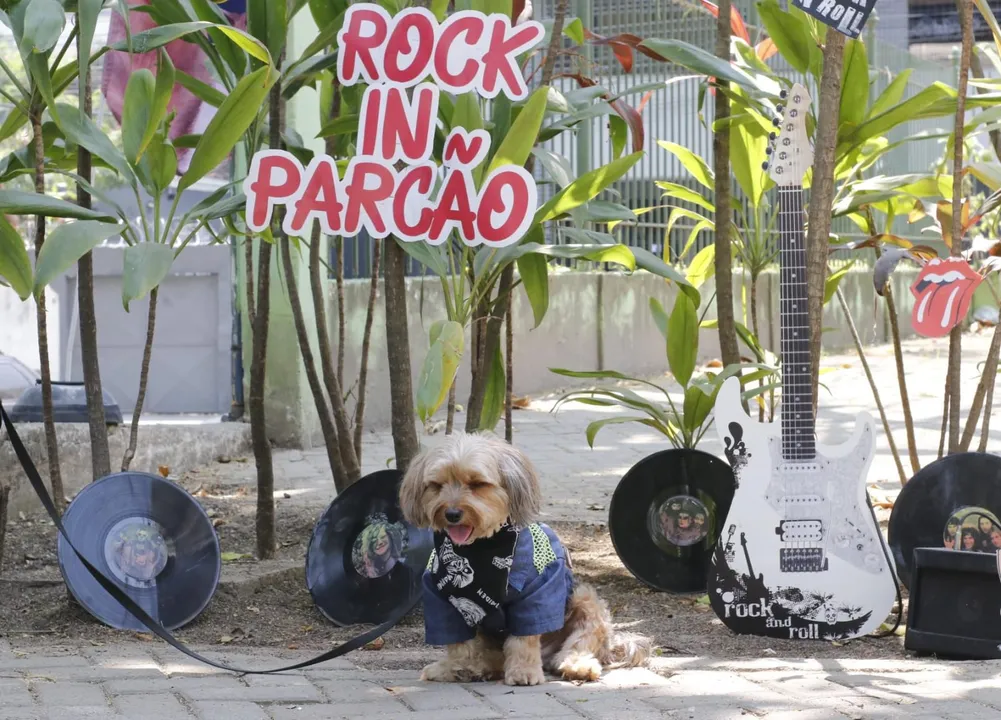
x=492 y=483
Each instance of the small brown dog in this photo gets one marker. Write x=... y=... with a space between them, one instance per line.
x=499 y=591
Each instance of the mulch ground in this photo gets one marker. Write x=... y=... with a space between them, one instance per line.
x=37 y=610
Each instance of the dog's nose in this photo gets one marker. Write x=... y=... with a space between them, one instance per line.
x=453 y=515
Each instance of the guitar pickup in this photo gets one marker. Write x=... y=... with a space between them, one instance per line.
x=800 y=530
x=802 y=560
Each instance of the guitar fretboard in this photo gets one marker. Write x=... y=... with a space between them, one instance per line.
x=798 y=440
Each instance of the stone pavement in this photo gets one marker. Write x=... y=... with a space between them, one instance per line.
x=152 y=682
x=578 y=481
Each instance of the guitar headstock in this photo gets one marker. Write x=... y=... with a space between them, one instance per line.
x=790 y=152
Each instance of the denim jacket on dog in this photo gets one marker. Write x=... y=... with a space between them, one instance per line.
x=539 y=587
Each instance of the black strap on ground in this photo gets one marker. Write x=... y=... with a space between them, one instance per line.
x=155 y=627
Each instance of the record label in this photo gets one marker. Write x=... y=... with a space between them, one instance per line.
x=665 y=515
x=136 y=551
x=379 y=546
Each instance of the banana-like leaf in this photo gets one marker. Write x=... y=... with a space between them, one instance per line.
x=696 y=166
x=146 y=266
x=585 y=188
x=15 y=266
x=65 y=245
x=521 y=138
x=534 y=272
x=439 y=368
x=660 y=317
x=495 y=393
x=683 y=339
x=595 y=427
x=788 y=33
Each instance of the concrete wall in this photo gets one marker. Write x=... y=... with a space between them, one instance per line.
x=571 y=336
x=19 y=331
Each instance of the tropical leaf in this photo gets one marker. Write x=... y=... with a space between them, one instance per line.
x=495 y=392
x=787 y=32
x=521 y=138
x=146 y=266
x=17 y=202
x=15 y=266
x=585 y=188
x=65 y=245
x=683 y=339
x=534 y=272
x=696 y=166
x=439 y=368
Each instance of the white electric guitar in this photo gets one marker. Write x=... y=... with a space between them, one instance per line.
x=810 y=563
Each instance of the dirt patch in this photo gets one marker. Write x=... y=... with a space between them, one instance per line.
x=278 y=612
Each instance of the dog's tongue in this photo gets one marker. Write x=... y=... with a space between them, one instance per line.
x=459 y=533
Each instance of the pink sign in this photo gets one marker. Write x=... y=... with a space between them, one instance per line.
x=393 y=186
x=942 y=293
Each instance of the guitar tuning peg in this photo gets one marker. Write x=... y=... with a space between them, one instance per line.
x=772 y=136
x=764 y=166
x=768 y=151
x=783 y=94
x=776 y=122
x=779 y=108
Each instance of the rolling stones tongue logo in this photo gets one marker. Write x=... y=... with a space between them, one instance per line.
x=942 y=292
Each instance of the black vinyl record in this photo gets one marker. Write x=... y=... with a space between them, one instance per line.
x=364 y=560
x=151 y=538
x=954 y=503
x=666 y=514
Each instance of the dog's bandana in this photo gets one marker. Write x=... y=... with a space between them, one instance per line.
x=474 y=577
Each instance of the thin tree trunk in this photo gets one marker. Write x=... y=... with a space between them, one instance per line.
x=986 y=378
x=267 y=542
x=988 y=407
x=945 y=422
x=822 y=197
x=341 y=319
x=130 y=451
x=965 y=9
x=872 y=384
x=905 y=400
x=450 y=412
x=489 y=318
x=100 y=454
x=509 y=375
x=51 y=441
x=248 y=256
x=4 y=504
x=366 y=342
x=726 y=328
x=491 y=342
x=330 y=433
x=401 y=389
x=347 y=469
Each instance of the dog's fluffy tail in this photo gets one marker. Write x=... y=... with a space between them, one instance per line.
x=626 y=650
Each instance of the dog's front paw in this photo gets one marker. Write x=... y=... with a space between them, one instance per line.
x=580 y=668
x=524 y=676
x=441 y=671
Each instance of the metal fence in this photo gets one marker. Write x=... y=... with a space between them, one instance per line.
x=673 y=114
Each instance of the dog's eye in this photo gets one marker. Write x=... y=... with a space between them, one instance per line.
x=479 y=484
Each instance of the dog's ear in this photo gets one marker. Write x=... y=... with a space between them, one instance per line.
x=412 y=490
x=521 y=484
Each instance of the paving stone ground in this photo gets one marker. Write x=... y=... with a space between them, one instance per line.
x=144 y=681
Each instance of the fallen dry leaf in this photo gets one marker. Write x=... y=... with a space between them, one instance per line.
x=521 y=403
x=715 y=364
x=226 y=639
x=376 y=644
x=163 y=470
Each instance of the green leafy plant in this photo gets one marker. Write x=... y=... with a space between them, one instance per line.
x=683 y=421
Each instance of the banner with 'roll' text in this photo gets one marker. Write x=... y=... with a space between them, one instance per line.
x=393 y=185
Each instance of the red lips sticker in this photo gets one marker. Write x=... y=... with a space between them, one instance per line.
x=942 y=292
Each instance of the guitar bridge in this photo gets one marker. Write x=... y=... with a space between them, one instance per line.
x=802 y=560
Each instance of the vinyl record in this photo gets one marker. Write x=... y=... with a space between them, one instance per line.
x=364 y=560
x=954 y=503
x=666 y=514
x=149 y=536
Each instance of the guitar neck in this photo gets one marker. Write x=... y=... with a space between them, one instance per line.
x=797 y=415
